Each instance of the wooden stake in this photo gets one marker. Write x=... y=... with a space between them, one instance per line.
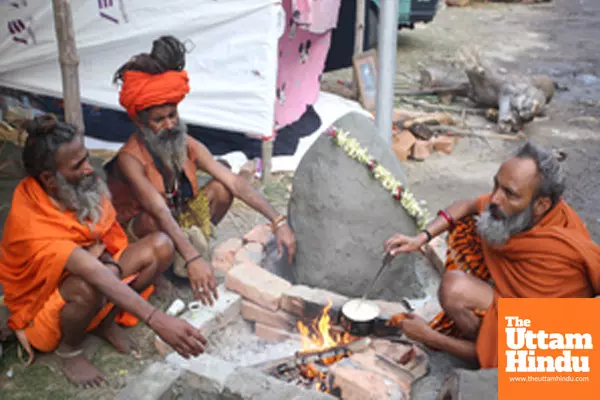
x=69 y=62
x=359 y=34
x=359 y=27
x=267 y=156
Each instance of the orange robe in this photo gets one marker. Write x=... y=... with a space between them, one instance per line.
x=37 y=242
x=557 y=258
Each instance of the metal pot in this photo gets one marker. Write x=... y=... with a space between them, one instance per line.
x=359 y=325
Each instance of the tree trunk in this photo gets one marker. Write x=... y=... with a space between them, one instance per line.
x=69 y=63
x=519 y=99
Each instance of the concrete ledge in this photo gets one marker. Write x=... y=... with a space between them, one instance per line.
x=152 y=384
x=213 y=372
x=208 y=377
x=208 y=319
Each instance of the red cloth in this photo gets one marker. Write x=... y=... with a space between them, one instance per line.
x=141 y=90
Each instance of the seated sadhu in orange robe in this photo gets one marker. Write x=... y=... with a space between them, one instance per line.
x=526 y=243
x=65 y=264
x=153 y=179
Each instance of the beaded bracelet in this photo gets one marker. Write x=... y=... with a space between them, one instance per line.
x=448 y=218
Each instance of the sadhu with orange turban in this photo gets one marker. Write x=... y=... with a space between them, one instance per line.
x=154 y=179
x=526 y=242
x=65 y=262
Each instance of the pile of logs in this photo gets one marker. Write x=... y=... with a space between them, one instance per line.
x=511 y=99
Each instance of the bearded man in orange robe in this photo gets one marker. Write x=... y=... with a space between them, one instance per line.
x=520 y=241
x=65 y=264
x=154 y=178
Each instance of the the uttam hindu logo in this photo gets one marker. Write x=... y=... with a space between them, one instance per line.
x=549 y=349
x=525 y=345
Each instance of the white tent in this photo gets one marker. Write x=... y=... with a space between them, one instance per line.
x=232 y=66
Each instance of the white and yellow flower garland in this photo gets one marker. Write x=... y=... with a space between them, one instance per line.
x=353 y=148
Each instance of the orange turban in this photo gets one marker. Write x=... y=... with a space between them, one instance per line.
x=141 y=90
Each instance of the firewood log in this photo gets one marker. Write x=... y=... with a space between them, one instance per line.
x=519 y=99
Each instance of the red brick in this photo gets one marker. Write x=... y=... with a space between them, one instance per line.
x=257 y=285
x=443 y=143
x=422 y=149
x=271 y=334
x=276 y=319
x=402 y=144
x=410 y=357
x=307 y=303
x=358 y=384
x=259 y=234
x=223 y=257
x=251 y=252
x=368 y=361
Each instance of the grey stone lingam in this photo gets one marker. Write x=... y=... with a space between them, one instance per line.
x=342 y=215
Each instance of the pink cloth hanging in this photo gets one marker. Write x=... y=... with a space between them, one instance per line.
x=316 y=16
x=302 y=56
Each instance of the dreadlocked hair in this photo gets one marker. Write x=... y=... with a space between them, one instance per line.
x=45 y=136
x=167 y=54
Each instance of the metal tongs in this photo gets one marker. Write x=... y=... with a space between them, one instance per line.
x=387 y=259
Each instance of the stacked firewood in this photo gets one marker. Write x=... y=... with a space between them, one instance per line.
x=416 y=135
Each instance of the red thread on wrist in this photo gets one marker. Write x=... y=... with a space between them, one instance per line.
x=447 y=217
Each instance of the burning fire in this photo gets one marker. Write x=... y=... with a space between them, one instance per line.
x=317 y=338
x=320 y=337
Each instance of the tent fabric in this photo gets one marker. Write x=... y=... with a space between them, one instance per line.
x=232 y=63
x=115 y=126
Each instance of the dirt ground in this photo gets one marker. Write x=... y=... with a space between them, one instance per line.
x=558 y=39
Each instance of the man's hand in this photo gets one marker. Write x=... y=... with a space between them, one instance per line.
x=286 y=237
x=202 y=281
x=179 y=334
x=399 y=243
x=416 y=328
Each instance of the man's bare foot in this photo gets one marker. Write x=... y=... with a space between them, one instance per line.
x=77 y=368
x=116 y=336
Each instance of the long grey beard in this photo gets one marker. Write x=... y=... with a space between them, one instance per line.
x=169 y=145
x=85 y=197
x=498 y=231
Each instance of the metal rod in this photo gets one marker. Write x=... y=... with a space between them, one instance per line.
x=386 y=66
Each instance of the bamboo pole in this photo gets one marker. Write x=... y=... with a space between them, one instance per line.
x=359 y=35
x=359 y=27
x=267 y=156
x=387 y=36
x=69 y=62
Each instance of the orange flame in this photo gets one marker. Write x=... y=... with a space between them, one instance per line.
x=319 y=336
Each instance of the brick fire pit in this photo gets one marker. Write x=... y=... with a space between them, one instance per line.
x=256 y=349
